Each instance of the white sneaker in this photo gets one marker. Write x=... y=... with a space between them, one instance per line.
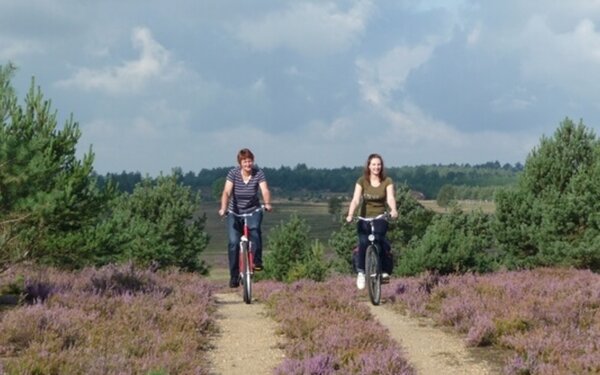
x=360 y=280
x=385 y=278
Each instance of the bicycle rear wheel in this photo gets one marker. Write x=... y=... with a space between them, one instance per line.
x=373 y=274
x=246 y=273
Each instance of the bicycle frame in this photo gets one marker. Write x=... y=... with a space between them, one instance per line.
x=246 y=255
x=373 y=270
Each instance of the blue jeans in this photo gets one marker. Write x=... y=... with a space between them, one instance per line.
x=235 y=228
x=380 y=229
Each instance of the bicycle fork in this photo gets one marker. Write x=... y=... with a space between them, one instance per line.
x=245 y=243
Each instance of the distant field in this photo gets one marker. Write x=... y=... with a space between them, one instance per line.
x=466 y=205
x=322 y=224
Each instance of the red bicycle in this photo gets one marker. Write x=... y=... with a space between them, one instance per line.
x=246 y=255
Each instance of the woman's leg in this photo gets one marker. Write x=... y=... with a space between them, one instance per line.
x=362 y=229
x=233 y=233
x=254 y=225
x=381 y=227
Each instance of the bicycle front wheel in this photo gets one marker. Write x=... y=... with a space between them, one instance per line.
x=373 y=274
x=246 y=273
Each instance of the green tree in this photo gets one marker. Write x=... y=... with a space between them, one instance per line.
x=288 y=246
x=49 y=200
x=413 y=219
x=334 y=207
x=313 y=266
x=217 y=188
x=445 y=195
x=343 y=242
x=157 y=224
x=454 y=242
x=551 y=217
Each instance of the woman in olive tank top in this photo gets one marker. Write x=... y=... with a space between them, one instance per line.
x=373 y=195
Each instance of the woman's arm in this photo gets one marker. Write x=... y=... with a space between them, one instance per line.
x=266 y=194
x=391 y=200
x=354 y=202
x=225 y=197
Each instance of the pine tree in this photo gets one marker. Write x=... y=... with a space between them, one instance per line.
x=48 y=198
x=551 y=218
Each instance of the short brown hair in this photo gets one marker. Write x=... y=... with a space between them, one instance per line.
x=245 y=153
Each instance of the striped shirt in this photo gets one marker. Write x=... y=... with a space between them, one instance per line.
x=244 y=195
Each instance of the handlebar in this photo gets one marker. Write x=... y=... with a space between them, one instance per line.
x=247 y=214
x=384 y=216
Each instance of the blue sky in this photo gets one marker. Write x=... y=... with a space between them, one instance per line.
x=187 y=83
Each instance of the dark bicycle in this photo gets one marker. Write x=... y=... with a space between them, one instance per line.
x=373 y=261
x=246 y=255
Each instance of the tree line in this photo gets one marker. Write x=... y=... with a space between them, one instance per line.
x=465 y=181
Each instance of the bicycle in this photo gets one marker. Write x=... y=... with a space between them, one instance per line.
x=373 y=271
x=246 y=255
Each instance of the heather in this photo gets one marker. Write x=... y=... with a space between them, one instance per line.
x=112 y=320
x=328 y=330
x=549 y=319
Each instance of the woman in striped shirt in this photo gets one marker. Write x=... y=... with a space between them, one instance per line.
x=240 y=195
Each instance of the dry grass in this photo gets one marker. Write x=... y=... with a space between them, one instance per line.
x=466 y=205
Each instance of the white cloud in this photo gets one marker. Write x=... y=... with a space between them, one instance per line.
x=153 y=63
x=11 y=49
x=307 y=28
x=568 y=59
x=378 y=78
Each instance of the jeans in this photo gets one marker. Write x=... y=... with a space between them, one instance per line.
x=380 y=229
x=235 y=228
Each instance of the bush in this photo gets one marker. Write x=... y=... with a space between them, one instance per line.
x=314 y=266
x=455 y=242
x=156 y=225
x=288 y=246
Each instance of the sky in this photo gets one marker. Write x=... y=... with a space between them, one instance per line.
x=156 y=85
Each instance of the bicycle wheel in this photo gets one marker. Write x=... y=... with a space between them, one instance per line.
x=246 y=273
x=373 y=274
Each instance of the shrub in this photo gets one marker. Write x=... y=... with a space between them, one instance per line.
x=156 y=225
x=288 y=246
x=454 y=242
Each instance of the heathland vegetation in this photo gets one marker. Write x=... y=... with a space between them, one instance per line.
x=82 y=255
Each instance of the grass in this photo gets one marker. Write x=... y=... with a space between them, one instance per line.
x=466 y=205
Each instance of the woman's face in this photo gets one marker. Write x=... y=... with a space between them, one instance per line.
x=375 y=166
x=247 y=164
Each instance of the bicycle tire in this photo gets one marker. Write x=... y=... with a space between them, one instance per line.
x=246 y=273
x=373 y=274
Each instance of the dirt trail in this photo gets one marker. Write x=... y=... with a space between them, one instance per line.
x=247 y=343
x=431 y=350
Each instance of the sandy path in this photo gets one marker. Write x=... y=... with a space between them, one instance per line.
x=247 y=343
x=429 y=349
